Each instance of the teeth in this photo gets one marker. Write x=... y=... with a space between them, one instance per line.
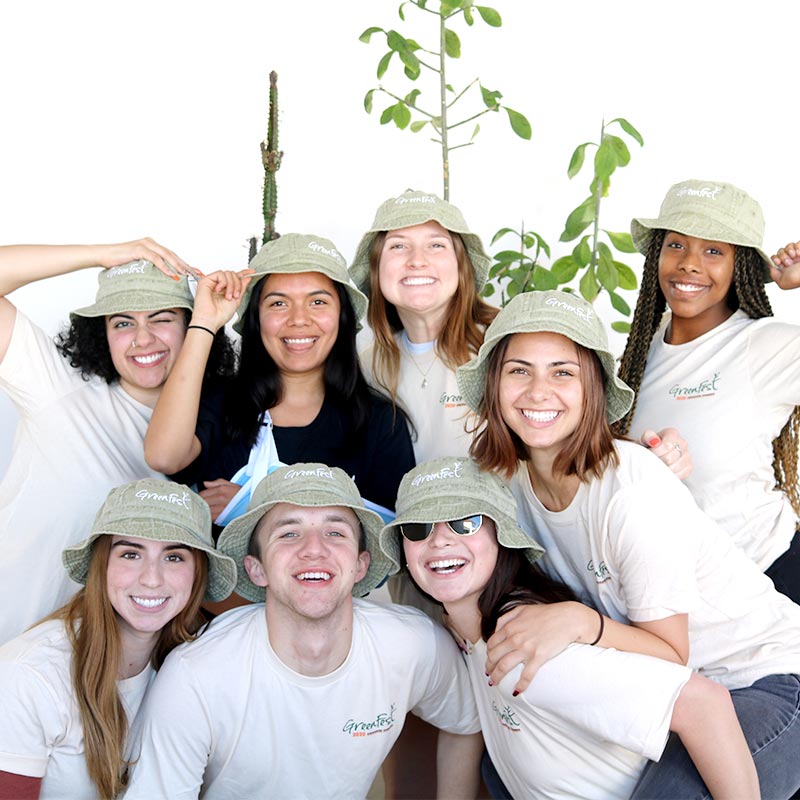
x=314 y=576
x=689 y=287
x=418 y=281
x=540 y=416
x=446 y=566
x=149 y=602
x=307 y=340
x=151 y=359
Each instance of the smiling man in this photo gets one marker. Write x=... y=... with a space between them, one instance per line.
x=304 y=695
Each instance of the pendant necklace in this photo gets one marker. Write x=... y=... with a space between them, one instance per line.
x=423 y=372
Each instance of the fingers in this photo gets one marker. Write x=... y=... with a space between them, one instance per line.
x=218 y=494
x=231 y=285
x=671 y=448
x=164 y=259
x=787 y=256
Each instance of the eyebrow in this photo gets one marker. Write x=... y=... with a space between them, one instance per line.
x=136 y=546
x=309 y=294
x=395 y=235
x=149 y=316
x=531 y=364
x=287 y=521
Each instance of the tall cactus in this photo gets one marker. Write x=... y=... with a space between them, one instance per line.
x=271 y=158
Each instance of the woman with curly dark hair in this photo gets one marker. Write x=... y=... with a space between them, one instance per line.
x=719 y=368
x=84 y=404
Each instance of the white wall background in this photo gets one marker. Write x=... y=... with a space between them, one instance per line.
x=127 y=119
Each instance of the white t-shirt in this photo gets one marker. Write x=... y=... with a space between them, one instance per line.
x=637 y=544
x=437 y=409
x=729 y=393
x=75 y=441
x=41 y=734
x=585 y=726
x=227 y=718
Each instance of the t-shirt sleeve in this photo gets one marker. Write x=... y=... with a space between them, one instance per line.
x=32 y=720
x=33 y=373
x=773 y=360
x=654 y=531
x=623 y=698
x=175 y=738
x=447 y=700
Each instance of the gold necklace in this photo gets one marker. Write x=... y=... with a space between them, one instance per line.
x=419 y=369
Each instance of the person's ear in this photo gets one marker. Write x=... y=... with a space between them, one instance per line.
x=363 y=565
x=255 y=570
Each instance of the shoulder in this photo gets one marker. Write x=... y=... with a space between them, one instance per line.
x=773 y=334
x=44 y=651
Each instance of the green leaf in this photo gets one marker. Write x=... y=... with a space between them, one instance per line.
x=368 y=101
x=496 y=269
x=502 y=232
x=401 y=13
x=627 y=277
x=565 y=269
x=579 y=220
x=576 y=162
x=468 y=18
x=620 y=150
x=412 y=65
x=490 y=16
x=619 y=304
x=383 y=64
x=411 y=97
x=508 y=255
x=388 y=114
x=519 y=124
x=490 y=97
x=475 y=132
x=397 y=42
x=401 y=115
x=488 y=290
x=583 y=252
x=605 y=160
x=543 y=279
x=606 y=271
x=418 y=125
x=622 y=241
x=367 y=35
x=513 y=290
x=630 y=130
x=621 y=327
x=452 y=44
x=588 y=285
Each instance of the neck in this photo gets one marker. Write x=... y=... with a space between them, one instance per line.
x=681 y=331
x=147 y=397
x=553 y=490
x=464 y=618
x=421 y=327
x=136 y=652
x=301 y=401
x=311 y=647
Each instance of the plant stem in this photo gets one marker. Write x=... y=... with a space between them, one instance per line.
x=598 y=194
x=443 y=103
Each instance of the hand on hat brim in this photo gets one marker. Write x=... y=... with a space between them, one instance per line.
x=162 y=258
x=218 y=297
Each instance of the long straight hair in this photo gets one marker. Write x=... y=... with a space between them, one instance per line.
x=465 y=323
x=747 y=293
x=91 y=625
x=588 y=451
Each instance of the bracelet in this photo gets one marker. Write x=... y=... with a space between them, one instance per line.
x=600 y=632
x=201 y=328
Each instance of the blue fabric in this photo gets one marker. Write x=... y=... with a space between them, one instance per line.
x=769 y=713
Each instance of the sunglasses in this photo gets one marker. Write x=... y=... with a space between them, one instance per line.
x=420 y=531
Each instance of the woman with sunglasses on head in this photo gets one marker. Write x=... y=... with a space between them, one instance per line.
x=596 y=713
x=719 y=348
x=74 y=683
x=84 y=401
x=626 y=536
x=299 y=391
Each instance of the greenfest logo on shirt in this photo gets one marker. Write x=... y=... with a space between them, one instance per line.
x=600 y=572
x=451 y=400
x=705 y=388
x=506 y=718
x=381 y=724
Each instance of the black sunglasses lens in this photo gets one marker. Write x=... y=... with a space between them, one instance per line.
x=466 y=526
x=416 y=531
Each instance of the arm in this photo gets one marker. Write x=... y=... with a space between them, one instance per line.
x=170 y=443
x=19 y=787
x=706 y=721
x=786 y=269
x=458 y=765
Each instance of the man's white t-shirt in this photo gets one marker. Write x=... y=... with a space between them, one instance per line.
x=75 y=441
x=41 y=733
x=729 y=393
x=635 y=545
x=227 y=718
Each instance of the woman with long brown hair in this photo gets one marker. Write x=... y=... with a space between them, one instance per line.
x=626 y=536
x=73 y=684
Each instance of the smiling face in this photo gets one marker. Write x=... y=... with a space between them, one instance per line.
x=418 y=270
x=299 y=320
x=452 y=568
x=148 y=583
x=308 y=559
x=540 y=390
x=695 y=276
x=144 y=346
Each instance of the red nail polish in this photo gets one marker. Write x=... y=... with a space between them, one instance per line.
x=515 y=693
x=490 y=682
x=654 y=442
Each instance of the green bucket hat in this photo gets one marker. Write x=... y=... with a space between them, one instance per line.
x=293 y=253
x=453 y=488
x=311 y=486
x=710 y=210
x=136 y=286
x=551 y=312
x=162 y=511
x=415 y=208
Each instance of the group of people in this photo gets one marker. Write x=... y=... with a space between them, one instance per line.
x=604 y=574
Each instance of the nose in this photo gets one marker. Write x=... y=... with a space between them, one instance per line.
x=143 y=336
x=538 y=388
x=152 y=575
x=441 y=535
x=417 y=257
x=690 y=260
x=314 y=545
x=298 y=315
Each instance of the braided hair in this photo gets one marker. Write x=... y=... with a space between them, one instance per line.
x=747 y=293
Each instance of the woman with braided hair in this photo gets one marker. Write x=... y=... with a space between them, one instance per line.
x=718 y=368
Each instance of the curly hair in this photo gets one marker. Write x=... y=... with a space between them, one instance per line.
x=747 y=293
x=85 y=346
